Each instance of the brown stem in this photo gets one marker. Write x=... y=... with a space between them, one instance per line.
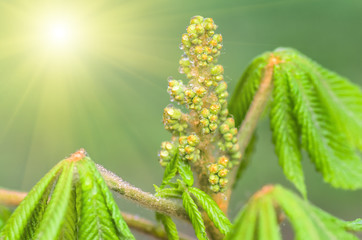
x=148 y=227
x=14 y=198
x=11 y=198
x=145 y=199
x=257 y=106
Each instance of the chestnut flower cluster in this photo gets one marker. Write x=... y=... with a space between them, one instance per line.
x=207 y=127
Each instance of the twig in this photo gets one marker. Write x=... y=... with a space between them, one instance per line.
x=14 y=198
x=254 y=113
x=145 y=199
x=11 y=198
x=148 y=227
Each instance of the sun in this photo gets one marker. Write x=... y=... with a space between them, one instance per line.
x=60 y=34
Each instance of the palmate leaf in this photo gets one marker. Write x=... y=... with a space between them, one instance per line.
x=212 y=209
x=171 y=170
x=194 y=215
x=169 y=225
x=71 y=202
x=312 y=108
x=186 y=173
x=285 y=130
x=258 y=220
x=27 y=214
x=306 y=219
x=241 y=99
x=4 y=215
x=327 y=147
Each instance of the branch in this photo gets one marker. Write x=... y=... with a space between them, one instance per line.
x=145 y=199
x=11 y=198
x=255 y=110
x=14 y=198
x=148 y=227
x=257 y=106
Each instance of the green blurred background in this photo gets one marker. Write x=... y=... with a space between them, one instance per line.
x=107 y=94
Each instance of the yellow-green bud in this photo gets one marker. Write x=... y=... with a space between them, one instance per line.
x=213 y=179
x=223 y=160
x=204 y=122
x=213 y=126
x=213 y=118
x=189 y=149
x=205 y=112
x=217 y=70
x=217 y=37
x=223 y=182
x=228 y=137
x=193 y=140
x=196 y=20
x=230 y=122
x=213 y=168
x=223 y=172
x=224 y=128
x=215 y=188
x=215 y=108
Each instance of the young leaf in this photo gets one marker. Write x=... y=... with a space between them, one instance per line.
x=268 y=225
x=246 y=88
x=194 y=215
x=99 y=217
x=121 y=225
x=212 y=209
x=52 y=220
x=168 y=192
x=4 y=215
x=29 y=212
x=244 y=226
x=169 y=225
x=327 y=148
x=171 y=170
x=306 y=222
x=342 y=98
x=258 y=219
x=285 y=130
x=186 y=173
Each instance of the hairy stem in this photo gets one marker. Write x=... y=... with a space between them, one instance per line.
x=148 y=227
x=14 y=198
x=253 y=115
x=145 y=199
x=11 y=198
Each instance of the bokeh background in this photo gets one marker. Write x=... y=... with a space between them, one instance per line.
x=107 y=91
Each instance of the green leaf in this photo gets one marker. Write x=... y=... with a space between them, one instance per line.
x=327 y=148
x=171 y=170
x=52 y=220
x=98 y=217
x=285 y=130
x=69 y=228
x=307 y=222
x=186 y=173
x=122 y=227
x=244 y=226
x=169 y=225
x=268 y=224
x=212 y=209
x=194 y=215
x=4 y=215
x=246 y=88
x=342 y=98
x=27 y=215
x=168 y=192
